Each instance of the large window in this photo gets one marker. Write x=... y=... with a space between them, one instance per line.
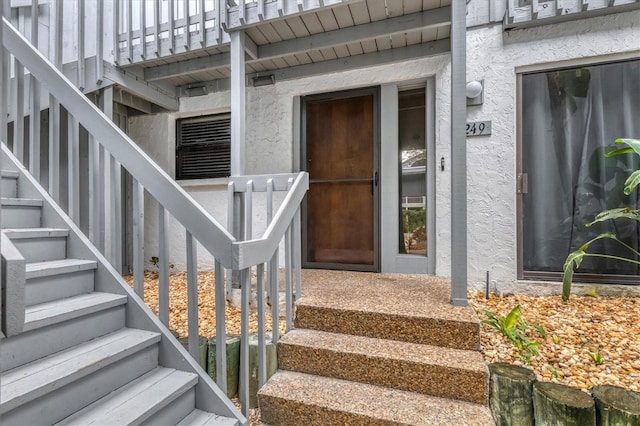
x=203 y=147
x=570 y=118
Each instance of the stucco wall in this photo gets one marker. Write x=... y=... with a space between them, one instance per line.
x=492 y=55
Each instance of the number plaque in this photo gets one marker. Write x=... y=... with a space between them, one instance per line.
x=479 y=128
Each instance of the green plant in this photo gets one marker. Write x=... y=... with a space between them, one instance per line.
x=555 y=338
x=554 y=372
x=596 y=357
x=513 y=326
x=574 y=259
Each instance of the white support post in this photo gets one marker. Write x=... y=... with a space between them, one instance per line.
x=34 y=104
x=172 y=41
x=116 y=32
x=156 y=28
x=238 y=100
x=138 y=238
x=202 y=32
x=458 y=155
x=129 y=30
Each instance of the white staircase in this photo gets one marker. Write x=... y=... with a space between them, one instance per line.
x=88 y=355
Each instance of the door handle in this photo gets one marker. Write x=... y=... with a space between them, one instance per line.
x=374 y=182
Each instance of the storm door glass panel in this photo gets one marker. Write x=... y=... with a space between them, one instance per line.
x=413 y=172
x=570 y=119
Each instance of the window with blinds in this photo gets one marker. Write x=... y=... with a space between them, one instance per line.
x=203 y=147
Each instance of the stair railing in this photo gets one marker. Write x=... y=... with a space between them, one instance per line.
x=239 y=255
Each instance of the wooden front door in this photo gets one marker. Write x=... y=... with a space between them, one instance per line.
x=340 y=153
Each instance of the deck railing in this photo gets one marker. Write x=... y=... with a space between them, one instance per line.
x=522 y=13
x=149 y=29
x=88 y=129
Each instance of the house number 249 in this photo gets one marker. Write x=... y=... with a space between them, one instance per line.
x=478 y=128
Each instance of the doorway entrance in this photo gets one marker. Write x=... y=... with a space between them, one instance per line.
x=340 y=150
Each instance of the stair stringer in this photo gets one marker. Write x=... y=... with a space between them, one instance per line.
x=172 y=354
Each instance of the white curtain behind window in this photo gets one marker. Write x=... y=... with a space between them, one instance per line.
x=570 y=118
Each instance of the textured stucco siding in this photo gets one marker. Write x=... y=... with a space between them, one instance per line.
x=492 y=55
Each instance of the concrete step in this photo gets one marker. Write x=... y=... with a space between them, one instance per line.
x=39 y=244
x=87 y=372
x=290 y=398
x=204 y=418
x=20 y=212
x=443 y=372
x=405 y=308
x=57 y=279
x=9 y=183
x=139 y=400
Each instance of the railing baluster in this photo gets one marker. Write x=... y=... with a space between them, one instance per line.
x=143 y=29
x=172 y=42
x=81 y=76
x=129 y=25
x=192 y=297
x=54 y=105
x=241 y=11
x=100 y=42
x=297 y=253
x=73 y=168
x=4 y=79
x=34 y=107
x=203 y=33
x=156 y=27
x=275 y=298
x=245 y=280
x=163 y=265
x=116 y=31
x=221 y=334
x=288 y=273
x=230 y=196
x=272 y=271
x=220 y=21
x=92 y=161
x=138 y=238
x=18 y=117
x=187 y=40
x=262 y=347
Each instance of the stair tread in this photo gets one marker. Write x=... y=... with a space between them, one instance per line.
x=35 y=232
x=60 y=310
x=28 y=382
x=12 y=201
x=61 y=266
x=199 y=417
x=136 y=401
x=384 y=348
x=363 y=401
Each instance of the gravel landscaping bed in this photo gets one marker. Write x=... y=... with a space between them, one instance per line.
x=584 y=326
x=575 y=331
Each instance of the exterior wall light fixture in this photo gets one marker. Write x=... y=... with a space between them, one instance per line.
x=475 y=92
x=263 y=80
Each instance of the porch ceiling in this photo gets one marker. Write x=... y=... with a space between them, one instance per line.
x=375 y=31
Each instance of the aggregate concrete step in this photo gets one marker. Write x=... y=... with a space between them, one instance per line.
x=443 y=372
x=87 y=372
x=204 y=418
x=290 y=398
x=39 y=244
x=406 y=308
x=9 y=183
x=139 y=401
x=47 y=281
x=20 y=212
